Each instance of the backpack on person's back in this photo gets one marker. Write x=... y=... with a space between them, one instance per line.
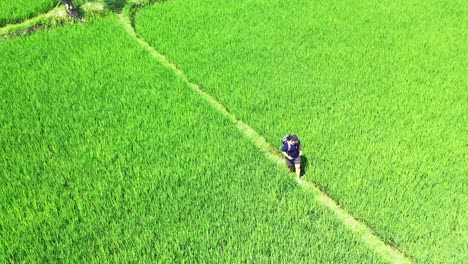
x=286 y=138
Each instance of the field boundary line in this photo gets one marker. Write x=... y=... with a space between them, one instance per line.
x=55 y=17
x=360 y=229
x=28 y=25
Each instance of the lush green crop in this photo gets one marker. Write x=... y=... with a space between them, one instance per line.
x=106 y=156
x=376 y=90
x=18 y=10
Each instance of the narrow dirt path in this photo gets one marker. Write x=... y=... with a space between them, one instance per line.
x=361 y=230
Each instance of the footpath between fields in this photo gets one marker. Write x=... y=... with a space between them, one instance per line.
x=360 y=229
x=58 y=17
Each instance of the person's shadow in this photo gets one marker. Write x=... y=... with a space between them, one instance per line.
x=304 y=165
x=115 y=5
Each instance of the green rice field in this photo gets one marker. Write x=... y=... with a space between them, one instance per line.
x=378 y=92
x=107 y=154
x=19 y=10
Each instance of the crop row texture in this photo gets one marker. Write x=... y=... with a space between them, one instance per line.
x=375 y=90
x=107 y=156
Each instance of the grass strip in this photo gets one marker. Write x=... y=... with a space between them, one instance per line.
x=364 y=233
x=16 y=11
x=376 y=91
x=103 y=159
x=54 y=18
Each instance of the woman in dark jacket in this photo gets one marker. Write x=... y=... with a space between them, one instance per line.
x=292 y=150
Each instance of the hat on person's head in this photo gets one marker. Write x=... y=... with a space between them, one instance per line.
x=293 y=138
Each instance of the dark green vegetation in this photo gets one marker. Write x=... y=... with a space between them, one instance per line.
x=107 y=156
x=376 y=90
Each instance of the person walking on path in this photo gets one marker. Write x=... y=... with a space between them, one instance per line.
x=292 y=150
